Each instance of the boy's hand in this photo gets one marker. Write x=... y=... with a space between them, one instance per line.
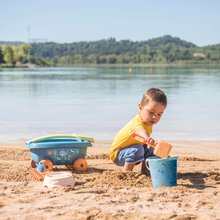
x=150 y=141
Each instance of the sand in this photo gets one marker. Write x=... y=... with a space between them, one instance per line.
x=104 y=192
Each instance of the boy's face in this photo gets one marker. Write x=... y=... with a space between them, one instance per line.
x=151 y=113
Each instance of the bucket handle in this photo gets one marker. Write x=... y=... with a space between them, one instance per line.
x=147 y=166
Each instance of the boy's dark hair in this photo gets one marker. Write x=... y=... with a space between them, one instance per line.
x=154 y=94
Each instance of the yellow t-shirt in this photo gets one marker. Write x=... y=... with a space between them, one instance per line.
x=124 y=137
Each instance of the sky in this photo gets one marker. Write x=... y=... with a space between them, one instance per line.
x=67 y=21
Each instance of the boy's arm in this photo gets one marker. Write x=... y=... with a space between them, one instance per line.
x=141 y=135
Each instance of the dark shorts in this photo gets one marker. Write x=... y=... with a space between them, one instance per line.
x=133 y=154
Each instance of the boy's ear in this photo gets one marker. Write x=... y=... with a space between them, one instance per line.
x=140 y=107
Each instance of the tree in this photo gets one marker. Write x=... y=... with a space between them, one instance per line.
x=1 y=56
x=8 y=55
x=20 y=52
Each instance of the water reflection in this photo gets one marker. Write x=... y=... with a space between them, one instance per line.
x=98 y=101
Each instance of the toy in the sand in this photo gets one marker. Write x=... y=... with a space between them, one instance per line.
x=162 y=148
x=58 y=179
x=64 y=149
x=163 y=171
x=163 y=168
x=41 y=169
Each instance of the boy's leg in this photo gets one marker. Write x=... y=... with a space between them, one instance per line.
x=144 y=169
x=128 y=167
x=129 y=156
x=148 y=153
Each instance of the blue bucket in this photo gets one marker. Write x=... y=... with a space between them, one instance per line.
x=163 y=171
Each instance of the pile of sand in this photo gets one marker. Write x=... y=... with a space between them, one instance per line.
x=105 y=192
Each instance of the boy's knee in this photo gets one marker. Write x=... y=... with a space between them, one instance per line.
x=139 y=151
x=135 y=154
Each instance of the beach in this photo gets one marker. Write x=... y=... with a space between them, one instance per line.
x=105 y=192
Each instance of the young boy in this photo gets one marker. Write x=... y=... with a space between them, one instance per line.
x=133 y=143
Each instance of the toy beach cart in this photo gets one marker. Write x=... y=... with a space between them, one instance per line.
x=64 y=149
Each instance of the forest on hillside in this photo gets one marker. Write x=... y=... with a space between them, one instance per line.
x=161 y=50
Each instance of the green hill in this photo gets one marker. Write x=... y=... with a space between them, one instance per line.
x=161 y=50
x=106 y=47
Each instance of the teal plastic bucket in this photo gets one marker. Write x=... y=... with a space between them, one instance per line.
x=163 y=171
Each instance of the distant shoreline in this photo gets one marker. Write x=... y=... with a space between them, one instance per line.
x=114 y=65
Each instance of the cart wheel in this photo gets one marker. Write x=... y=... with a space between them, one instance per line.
x=33 y=164
x=45 y=166
x=80 y=164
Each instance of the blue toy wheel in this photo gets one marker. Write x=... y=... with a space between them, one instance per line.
x=44 y=166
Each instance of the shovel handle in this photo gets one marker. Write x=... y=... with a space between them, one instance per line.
x=153 y=145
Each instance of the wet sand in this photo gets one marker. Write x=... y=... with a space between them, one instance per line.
x=104 y=192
